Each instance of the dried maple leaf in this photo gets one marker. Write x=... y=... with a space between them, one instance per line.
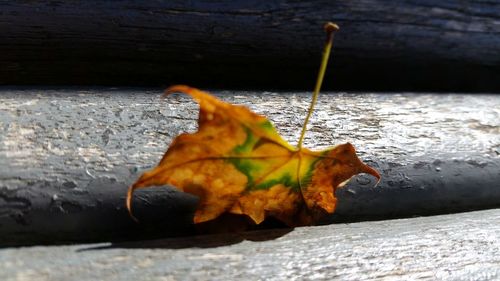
x=238 y=163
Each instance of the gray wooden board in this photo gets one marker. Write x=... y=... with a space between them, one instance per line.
x=67 y=156
x=448 y=247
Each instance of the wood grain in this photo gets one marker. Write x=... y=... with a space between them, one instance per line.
x=381 y=45
x=67 y=156
x=451 y=247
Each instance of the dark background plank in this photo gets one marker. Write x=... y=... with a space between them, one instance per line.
x=432 y=45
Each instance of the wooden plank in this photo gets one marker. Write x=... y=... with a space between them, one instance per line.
x=68 y=155
x=381 y=45
x=451 y=247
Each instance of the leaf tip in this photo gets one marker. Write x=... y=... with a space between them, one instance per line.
x=128 y=202
x=177 y=89
x=369 y=170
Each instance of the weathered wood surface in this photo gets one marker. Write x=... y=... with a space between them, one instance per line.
x=68 y=155
x=382 y=44
x=450 y=247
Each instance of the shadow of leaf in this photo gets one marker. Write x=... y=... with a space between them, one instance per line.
x=198 y=241
x=158 y=228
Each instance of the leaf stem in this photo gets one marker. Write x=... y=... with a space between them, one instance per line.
x=330 y=29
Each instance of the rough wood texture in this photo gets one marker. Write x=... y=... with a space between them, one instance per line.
x=68 y=155
x=382 y=44
x=452 y=247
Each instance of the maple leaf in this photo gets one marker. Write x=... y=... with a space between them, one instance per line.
x=237 y=163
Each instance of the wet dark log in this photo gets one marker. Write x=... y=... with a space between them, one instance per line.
x=67 y=157
x=388 y=45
